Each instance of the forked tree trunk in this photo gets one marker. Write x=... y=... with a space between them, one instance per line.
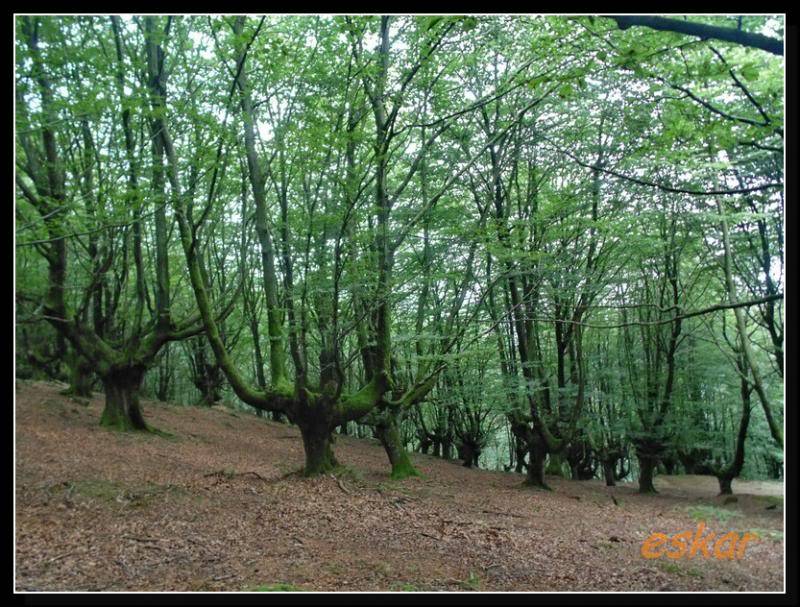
x=122 y=410
x=725 y=485
x=389 y=435
x=647 y=466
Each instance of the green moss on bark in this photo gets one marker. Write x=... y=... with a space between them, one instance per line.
x=404 y=469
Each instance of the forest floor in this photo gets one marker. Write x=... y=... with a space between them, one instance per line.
x=219 y=506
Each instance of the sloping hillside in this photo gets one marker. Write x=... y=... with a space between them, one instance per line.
x=217 y=507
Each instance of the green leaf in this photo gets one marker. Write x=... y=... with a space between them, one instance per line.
x=430 y=22
x=749 y=72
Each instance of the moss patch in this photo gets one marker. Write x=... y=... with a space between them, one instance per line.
x=772 y=534
x=279 y=587
x=704 y=513
x=403 y=587
x=676 y=569
x=770 y=500
x=404 y=469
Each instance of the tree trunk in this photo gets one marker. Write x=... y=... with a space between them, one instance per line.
x=538 y=454
x=279 y=417
x=209 y=385
x=122 y=410
x=555 y=466
x=747 y=349
x=608 y=472
x=319 y=453
x=469 y=453
x=164 y=377
x=726 y=476
x=80 y=377
x=647 y=466
x=519 y=447
x=389 y=435
x=425 y=445
x=622 y=472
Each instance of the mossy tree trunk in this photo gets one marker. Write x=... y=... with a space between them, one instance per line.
x=122 y=410
x=81 y=377
x=119 y=343
x=388 y=432
x=317 y=444
x=556 y=465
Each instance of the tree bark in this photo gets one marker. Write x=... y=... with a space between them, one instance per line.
x=608 y=473
x=317 y=446
x=80 y=377
x=758 y=383
x=703 y=31
x=555 y=465
x=726 y=475
x=389 y=435
x=647 y=466
x=122 y=410
x=538 y=454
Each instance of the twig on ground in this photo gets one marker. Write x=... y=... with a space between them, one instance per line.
x=341 y=485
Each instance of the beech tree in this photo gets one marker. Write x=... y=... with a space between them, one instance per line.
x=520 y=241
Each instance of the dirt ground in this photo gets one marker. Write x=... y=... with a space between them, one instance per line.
x=216 y=507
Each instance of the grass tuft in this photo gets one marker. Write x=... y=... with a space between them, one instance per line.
x=703 y=513
x=279 y=587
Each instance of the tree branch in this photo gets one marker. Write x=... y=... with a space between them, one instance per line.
x=702 y=30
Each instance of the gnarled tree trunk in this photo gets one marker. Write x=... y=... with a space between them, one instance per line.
x=388 y=433
x=317 y=443
x=122 y=410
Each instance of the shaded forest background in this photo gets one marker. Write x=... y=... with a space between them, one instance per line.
x=536 y=243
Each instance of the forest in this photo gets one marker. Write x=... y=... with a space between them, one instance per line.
x=542 y=251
